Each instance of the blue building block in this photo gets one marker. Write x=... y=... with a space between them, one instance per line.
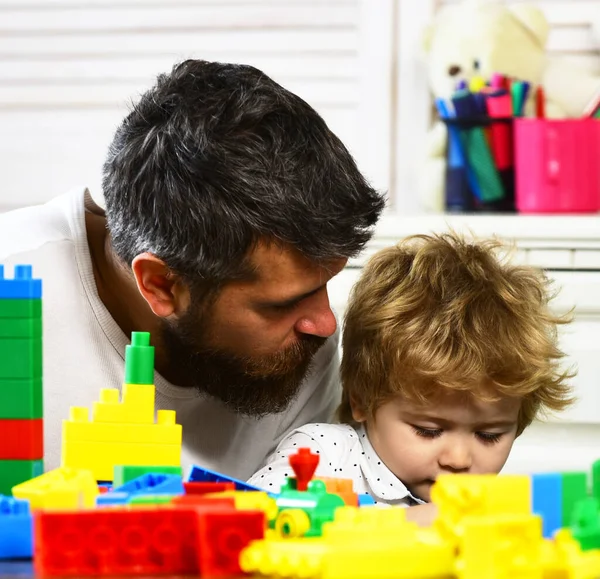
x=16 y=529
x=546 y=496
x=365 y=500
x=23 y=286
x=198 y=474
x=147 y=484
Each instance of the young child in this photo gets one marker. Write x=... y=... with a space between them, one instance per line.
x=449 y=353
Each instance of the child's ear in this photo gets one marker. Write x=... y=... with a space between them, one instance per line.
x=358 y=414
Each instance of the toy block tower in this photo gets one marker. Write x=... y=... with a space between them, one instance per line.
x=123 y=432
x=21 y=400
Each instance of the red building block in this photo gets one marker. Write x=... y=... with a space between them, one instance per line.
x=159 y=540
x=201 y=501
x=203 y=488
x=22 y=439
x=221 y=538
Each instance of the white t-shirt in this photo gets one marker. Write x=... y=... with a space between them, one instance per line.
x=84 y=349
x=345 y=452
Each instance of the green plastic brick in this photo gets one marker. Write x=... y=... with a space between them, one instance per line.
x=20 y=328
x=26 y=308
x=596 y=480
x=574 y=489
x=123 y=474
x=14 y=472
x=585 y=524
x=20 y=358
x=150 y=499
x=21 y=398
x=139 y=359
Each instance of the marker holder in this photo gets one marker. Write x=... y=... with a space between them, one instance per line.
x=557 y=165
x=473 y=181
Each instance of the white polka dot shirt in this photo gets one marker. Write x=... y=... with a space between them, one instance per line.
x=345 y=452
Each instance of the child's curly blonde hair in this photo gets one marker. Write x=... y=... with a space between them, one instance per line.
x=443 y=312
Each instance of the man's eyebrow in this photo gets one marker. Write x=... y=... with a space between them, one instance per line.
x=292 y=300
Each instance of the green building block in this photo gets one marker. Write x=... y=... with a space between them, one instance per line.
x=123 y=474
x=150 y=499
x=20 y=328
x=20 y=358
x=139 y=359
x=14 y=472
x=25 y=308
x=596 y=480
x=21 y=398
x=574 y=489
x=585 y=523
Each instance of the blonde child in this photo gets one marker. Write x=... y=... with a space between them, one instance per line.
x=449 y=353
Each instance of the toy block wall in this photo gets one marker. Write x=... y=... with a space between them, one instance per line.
x=21 y=399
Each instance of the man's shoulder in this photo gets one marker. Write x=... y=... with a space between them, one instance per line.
x=27 y=229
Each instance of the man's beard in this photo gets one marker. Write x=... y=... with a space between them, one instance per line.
x=248 y=385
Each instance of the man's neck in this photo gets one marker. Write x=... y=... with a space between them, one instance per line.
x=115 y=284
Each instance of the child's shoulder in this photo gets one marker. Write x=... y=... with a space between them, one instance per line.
x=326 y=430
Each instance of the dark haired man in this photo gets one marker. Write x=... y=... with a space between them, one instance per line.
x=229 y=206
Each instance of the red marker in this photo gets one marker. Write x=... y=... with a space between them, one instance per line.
x=540 y=103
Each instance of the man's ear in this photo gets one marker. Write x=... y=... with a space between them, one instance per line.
x=159 y=286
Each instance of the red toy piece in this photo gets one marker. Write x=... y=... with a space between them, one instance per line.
x=202 y=488
x=22 y=439
x=221 y=537
x=304 y=463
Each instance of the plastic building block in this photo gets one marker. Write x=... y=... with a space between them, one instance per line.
x=20 y=358
x=199 y=474
x=124 y=473
x=152 y=484
x=303 y=513
x=342 y=487
x=563 y=557
x=251 y=501
x=137 y=541
x=98 y=446
x=15 y=529
x=585 y=523
x=222 y=535
x=459 y=495
x=203 y=488
x=20 y=309
x=547 y=500
x=136 y=500
x=62 y=488
x=139 y=359
x=365 y=500
x=136 y=407
x=21 y=398
x=20 y=327
x=596 y=480
x=201 y=501
x=499 y=547
x=14 y=472
x=22 y=286
x=574 y=488
x=304 y=463
x=21 y=439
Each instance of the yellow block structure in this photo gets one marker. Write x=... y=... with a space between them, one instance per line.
x=62 y=488
x=121 y=433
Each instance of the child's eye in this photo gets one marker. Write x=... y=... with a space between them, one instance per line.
x=427 y=432
x=488 y=437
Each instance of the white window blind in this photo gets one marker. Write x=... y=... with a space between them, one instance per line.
x=69 y=69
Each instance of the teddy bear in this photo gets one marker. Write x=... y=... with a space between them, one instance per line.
x=481 y=37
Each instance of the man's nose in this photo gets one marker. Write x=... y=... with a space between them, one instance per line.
x=318 y=318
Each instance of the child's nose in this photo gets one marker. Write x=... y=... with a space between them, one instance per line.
x=456 y=457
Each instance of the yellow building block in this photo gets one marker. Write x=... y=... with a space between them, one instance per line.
x=78 y=428
x=102 y=457
x=136 y=407
x=459 y=495
x=63 y=488
x=251 y=501
x=562 y=558
x=500 y=547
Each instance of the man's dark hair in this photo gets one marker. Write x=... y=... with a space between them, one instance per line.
x=216 y=157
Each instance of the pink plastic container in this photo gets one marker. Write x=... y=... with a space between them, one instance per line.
x=557 y=165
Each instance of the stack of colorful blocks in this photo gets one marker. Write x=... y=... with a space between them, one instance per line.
x=113 y=510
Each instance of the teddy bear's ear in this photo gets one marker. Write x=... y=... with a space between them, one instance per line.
x=533 y=19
